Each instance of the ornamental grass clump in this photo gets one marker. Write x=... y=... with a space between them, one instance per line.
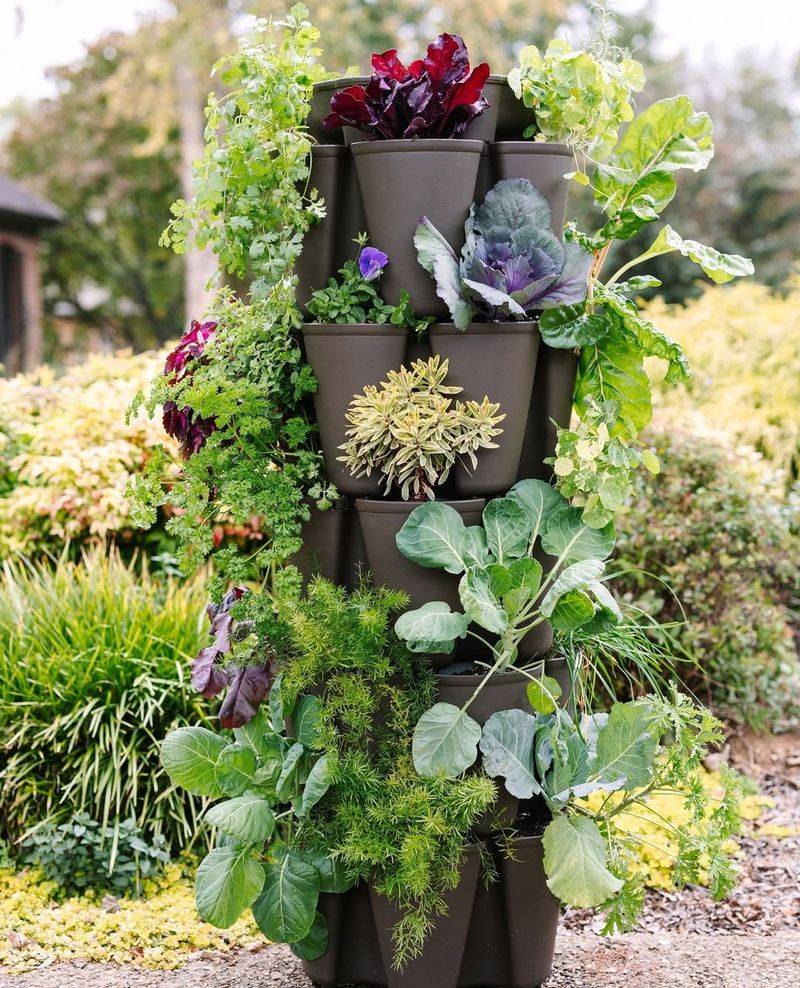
x=412 y=431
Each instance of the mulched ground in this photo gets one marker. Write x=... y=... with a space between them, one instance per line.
x=685 y=941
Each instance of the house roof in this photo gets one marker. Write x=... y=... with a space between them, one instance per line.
x=18 y=207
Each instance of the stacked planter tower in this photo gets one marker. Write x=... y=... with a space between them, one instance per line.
x=501 y=933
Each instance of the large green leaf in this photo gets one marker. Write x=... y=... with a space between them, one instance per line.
x=255 y=733
x=625 y=746
x=189 y=756
x=575 y=862
x=431 y=628
x=612 y=370
x=480 y=602
x=315 y=942
x=572 y=611
x=576 y=576
x=567 y=327
x=236 y=768
x=566 y=535
x=306 y=721
x=433 y=536
x=333 y=875
x=507 y=748
x=719 y=267
x=445 y=741
x=286 y=908
x=542 y=693
x=292 y=773
x=539 y=500
x=228 y=880
x=508 y=529
x=317 y=784
x=248 y=818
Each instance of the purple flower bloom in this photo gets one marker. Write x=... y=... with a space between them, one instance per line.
x=371 y=263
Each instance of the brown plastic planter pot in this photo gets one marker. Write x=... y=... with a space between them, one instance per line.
x=513 y=117
x=318 y=260
x=380 y=523
x=321 y=107
x=484 y=126
x=544 y=165
x=553 y=387
x=498 y=360
x=322 y=537
x=400 y=182
x=350 y=220
x=344 y=360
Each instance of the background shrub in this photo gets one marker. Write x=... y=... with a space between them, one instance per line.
x=93 y=664
x=711 y=536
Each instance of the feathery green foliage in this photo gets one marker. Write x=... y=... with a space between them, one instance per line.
x=92 y=660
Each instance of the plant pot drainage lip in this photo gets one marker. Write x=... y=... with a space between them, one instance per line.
x=340 y=82
x=407 y=144
x=379 y=506
x=516 y=328
x=531 y=147
x=498 y=679
x=352 y=329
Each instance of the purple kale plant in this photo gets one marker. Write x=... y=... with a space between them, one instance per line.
x=512 y=265
x=436 y=96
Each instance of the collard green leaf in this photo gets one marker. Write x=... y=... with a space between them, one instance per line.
x=236 y=768
x=572 y=611
x=254 y=735
x=292 y=773
x=539 y=500
x=433 y=536
x=248 y=818
x=430 y=245
x=626 y=746
x=227 y=882
x=431 y=628
x=279 y=710
x=507 y=528
x=474 y=549
x=479 y=601
x=566 y=535
x=507 y=748
x=543 y=694
x=576 y=576
x=333 y=875
x=575 y=862
x=720 y=268
x=570 y=326
x=612 y=370
x=315 y=942
x=445 y=741
x=189 y=756
x=286 y=908
x=317 y=784
x=306 y=721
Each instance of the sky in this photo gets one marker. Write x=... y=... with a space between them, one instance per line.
x=37 y=33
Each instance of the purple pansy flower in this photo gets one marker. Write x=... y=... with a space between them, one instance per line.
x=371 y=263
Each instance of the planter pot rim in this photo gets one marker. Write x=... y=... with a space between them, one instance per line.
x=379 y=506
x=497 y=77
x=520 y=328
x=499 y=678
x=407 y=144
x=352 y=329
x=340 y=82
x=531 y=147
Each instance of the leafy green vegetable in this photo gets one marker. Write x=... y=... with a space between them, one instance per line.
x=228 y=880
x=189 y=756
x=445 y=741
x=507 y=748
x=247 y=819
x=287 y=907
x=575 y=862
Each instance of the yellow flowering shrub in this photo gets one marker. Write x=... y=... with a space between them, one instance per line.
x=743 y=344
x=66 y=453
x=157 y=931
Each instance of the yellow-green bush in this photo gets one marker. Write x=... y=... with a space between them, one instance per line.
x=67 y=454
x=743 y=344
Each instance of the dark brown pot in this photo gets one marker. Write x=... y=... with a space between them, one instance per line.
x=322 y=537
x=513 y=117
x=380 y=523
x=484 y=126
x=544 y=165
x=354 y=555
x=321 y=107
x=402 y=181
x=344 y=360
x=350 y=219
x=553 y=388
x=498 y=360
x=439 y=962
x=318 y=260
x=353 y=955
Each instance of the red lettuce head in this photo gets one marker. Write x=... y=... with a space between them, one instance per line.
x=182 y=423
x=437 y=96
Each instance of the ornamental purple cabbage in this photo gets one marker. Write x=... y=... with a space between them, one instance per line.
x=438 y=96
x=512 y=264
x=371 y=263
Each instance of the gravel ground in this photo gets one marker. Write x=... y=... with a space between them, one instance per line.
x=686 y=941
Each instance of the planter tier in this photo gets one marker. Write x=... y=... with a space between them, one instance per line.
x=400 y=182
x=553 y=387
x=321 y=107
x=317 y=262
x=544 y=165
x=497 y=360
x=500 y=936
x=345 y=359
x=332 y=544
